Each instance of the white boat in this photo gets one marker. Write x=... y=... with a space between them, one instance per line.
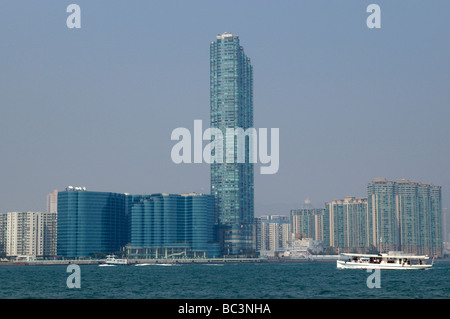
x=112 y=260
x=383 y=261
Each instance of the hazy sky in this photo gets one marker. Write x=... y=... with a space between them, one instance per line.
x=96 y=106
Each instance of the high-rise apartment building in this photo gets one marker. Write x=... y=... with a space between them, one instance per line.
x=382 y=217
x=50 y=221
x=418 y=207
x=231 y=106
x=25 y=235
x=348 y=223
x=405 y=215
x=3 y=228
x=311 y=223
x=272 y=233
x=51 y=225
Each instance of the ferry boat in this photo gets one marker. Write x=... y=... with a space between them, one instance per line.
x=112 y=260
x=383 y=261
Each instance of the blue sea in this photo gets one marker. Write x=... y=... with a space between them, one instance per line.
x=314 y=280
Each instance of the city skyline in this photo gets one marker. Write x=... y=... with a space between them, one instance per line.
x=395 y=216
x=352 y=104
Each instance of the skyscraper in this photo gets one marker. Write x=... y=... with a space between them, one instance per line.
x=231 y=106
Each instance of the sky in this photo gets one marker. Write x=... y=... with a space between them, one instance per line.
x=96 y=106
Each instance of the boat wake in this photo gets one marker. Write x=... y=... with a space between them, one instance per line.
x=163 y=265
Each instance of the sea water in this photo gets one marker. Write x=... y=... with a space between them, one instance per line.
x=315 y=280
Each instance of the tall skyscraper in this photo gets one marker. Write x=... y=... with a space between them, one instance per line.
x=231 y=106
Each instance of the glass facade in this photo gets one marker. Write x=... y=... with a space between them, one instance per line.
x=231 y=106
x=90 y=222
x=156 y=221
x=154 y=226
x=184 y=223
x=200 y=223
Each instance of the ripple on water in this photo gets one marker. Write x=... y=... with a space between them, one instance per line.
x=193 y=281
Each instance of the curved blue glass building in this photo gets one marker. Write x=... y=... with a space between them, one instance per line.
x=90 y=222
x=172 y=225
